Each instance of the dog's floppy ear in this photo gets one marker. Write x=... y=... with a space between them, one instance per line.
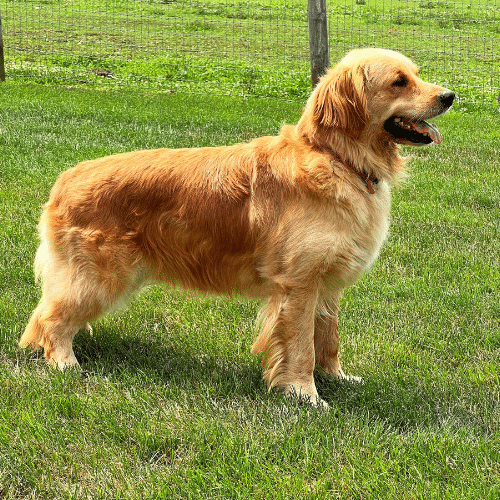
x=341 y=100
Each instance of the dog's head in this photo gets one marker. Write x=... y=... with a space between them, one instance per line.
x=376 y=95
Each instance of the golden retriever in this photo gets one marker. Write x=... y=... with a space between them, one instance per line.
x=292 y=219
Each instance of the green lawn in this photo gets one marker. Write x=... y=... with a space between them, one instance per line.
x=170 y=403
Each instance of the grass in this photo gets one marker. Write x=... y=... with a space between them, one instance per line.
x=259 y=47
x=170 y=403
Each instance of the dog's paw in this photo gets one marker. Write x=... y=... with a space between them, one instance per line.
x=340 y=376
x=309 y=397
x=350 y=379
x=320 y=403
x=64 y=361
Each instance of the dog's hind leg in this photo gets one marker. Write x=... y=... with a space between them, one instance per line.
x=76 y=290
x=52 y=327
x=57 y=317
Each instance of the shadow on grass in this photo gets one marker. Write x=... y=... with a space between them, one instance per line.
x=403 y=405
x=163 y=361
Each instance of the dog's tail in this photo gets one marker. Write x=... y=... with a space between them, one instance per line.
x=41 y=265
x=33 y=334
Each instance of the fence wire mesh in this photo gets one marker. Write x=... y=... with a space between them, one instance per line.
x=256 y=47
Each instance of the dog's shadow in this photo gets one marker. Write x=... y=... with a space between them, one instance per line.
x=160 y=361
x=124 y=357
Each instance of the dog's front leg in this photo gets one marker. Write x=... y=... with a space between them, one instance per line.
x=326 y=342
x=287 y=342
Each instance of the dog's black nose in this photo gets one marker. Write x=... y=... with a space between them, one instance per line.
x=446 y=98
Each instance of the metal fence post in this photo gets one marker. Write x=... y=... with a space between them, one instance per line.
x=2 y=63
x=318 y=38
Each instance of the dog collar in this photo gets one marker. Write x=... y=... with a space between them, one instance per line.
x=369 y=180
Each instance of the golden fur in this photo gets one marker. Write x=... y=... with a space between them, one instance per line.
x=293 y=219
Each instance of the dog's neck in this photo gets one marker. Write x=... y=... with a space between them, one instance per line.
x=371 y=157
x=370 y=180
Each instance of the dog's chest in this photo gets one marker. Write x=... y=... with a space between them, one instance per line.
x=377 y=234
x=357 y=244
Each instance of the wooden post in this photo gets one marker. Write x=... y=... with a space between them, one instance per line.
x=2 y=63
x=318 y=38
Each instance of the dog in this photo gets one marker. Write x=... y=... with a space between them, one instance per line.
x=292 y=219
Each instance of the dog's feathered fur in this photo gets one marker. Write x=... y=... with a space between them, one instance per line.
x=287 y=218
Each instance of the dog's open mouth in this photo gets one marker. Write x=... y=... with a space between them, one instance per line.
x=416 y=133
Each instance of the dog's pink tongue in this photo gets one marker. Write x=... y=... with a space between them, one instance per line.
x=430 y=129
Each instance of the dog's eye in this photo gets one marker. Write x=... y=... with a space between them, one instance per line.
x=400 y=82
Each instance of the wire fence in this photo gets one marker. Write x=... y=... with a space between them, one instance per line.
x=256 y=47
